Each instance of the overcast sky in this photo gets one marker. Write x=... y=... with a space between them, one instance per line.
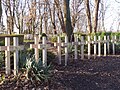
x=112 y=17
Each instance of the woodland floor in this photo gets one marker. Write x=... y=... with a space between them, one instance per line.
x=102 y=73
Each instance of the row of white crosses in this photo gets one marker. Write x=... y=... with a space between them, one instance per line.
x=65 y=45
x=7 y=48
x=15 y=48
x=106 y=42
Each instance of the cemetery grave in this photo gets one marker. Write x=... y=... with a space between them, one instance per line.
x=87 y=63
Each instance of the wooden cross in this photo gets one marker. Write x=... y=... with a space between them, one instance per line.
x=99 y=46
x=7 y=48
x=58 y=44
x=95 y=46
x=114 y=39
x=35 y=46
x=75 y=43
x=82 y=43
x=42 y=46
x=66 y=44
x=105 y=45
x=108 y=44
x=89 y=48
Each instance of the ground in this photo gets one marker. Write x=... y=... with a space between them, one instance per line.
x=102 y=73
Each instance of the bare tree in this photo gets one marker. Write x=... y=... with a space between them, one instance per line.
x=0 y=10
x=88 y=15
x=95 y=21
x=19 y=15
x=60 y=15
x=51 y=6
x=92 y=27
x=67 y=19
x=9 y=10
x=76 y=9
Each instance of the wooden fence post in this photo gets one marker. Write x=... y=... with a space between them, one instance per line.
x=76 y=50
x=42 y=46
x=105 y=46
x=15 y=43
x=7 y=55
x=108 y=44
x=66 y=50
x=89 y=47
x=113 y=43
x=36 y=49
x=95 y=42
x=82 y=47
x=99 y=46
x=59 y=49
x=44 y=52
x=58 y=44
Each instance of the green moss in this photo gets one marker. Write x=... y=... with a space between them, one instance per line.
x=2 y=38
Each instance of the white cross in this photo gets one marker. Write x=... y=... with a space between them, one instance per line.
x=7 y=48
x=42 y=46
x=58 y=44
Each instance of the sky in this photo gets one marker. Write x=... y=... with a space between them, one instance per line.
x=112 y=15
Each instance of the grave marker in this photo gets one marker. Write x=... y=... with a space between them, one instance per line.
x=105 y=49
x=95 y=47
x=42 y=46
x=66 y=44
x=89 y=42
x=82 y=47
x=99 y=46
x=7 y=48
x=58 y=44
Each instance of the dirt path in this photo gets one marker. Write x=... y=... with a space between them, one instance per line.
x=99 y=74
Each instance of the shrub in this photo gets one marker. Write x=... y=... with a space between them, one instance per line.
x=53 y=39
x=35 y=70
x=1 y=59
x=30 y=53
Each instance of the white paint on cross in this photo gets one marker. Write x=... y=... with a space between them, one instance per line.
x=66 y=44
x=89 y=48
x=42 y=46
x=75 y=43
x=95 y=46
x=99 y=46
x=82 y=43
x=7 y=48
x=105 y=46
x=58 y=44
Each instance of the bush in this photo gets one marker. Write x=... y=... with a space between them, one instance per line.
x=53 y=39
x=35 y=70
x=30 y=53
x=1 y=59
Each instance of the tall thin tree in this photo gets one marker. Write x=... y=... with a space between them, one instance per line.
x=67 y=19
x=0 y=10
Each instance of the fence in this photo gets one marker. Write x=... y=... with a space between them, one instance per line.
x=96 y=42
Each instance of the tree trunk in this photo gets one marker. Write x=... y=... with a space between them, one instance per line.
x=88 y=14
x=96 y=15
x=0 y=10
x=67 y=19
